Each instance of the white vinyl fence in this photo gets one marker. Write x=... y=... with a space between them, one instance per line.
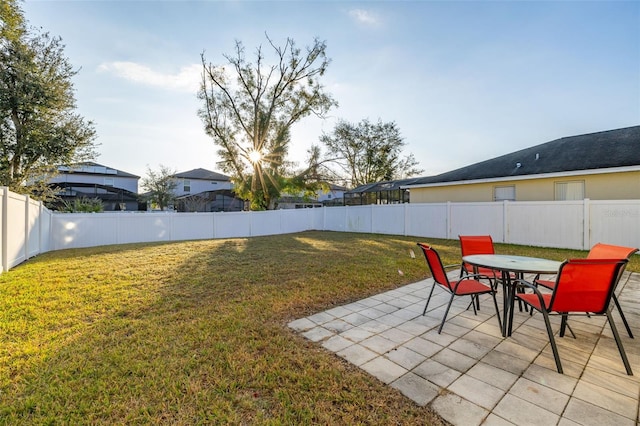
x=29 y=229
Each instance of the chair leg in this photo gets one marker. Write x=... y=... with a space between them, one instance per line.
x=474 y=302
x=552 y=340
x=564 y=325
x=444 y=318
x=616 y=336
x=624 y=319
x=495 y=303
x=429 y=299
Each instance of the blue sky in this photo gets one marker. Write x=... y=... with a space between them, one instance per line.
x=465 y=81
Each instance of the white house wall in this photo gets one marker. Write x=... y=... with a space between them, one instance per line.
x=128 y=183
x=198 y=185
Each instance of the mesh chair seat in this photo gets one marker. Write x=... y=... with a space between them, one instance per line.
x=468 y=285
x=582 y=287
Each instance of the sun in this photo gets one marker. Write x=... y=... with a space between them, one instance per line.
x=255 y=156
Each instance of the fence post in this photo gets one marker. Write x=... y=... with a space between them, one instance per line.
x=406 y=218
x=27 y=205
x=214 y=217
x=505 y=222
x=324 y=219
x=5 y=227
x=371 y=229
x=586 y=224
x=448 y=224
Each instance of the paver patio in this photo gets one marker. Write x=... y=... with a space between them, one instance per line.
x=471 y=375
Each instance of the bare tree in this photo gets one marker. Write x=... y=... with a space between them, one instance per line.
x=249 y=110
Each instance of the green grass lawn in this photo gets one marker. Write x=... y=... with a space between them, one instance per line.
x=196 y=332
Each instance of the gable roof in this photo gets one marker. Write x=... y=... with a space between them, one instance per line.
x=91 y=168
x=203 y=174
x=593 y=151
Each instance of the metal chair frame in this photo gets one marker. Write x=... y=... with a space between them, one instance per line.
x=545 y=303
x=603 y=251
x=439 y=275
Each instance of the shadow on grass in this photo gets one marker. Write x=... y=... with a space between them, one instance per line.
x=195 y=332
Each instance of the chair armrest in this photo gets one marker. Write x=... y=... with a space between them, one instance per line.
x=457 y=265
x=470 y=276
x=535 y=290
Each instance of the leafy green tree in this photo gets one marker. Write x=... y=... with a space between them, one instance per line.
x=366 y=153
x=82 y=205
x=249 y=109
x=39 y=129
x=160 y=186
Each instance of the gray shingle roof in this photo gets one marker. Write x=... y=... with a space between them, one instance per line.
x=613 y=148
x=93 y=168
x=203 y=174
x=390 y=185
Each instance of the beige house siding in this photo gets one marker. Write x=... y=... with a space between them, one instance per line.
x=606 y=186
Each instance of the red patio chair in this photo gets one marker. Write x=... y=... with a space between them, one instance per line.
x=467 y=285
x=603 y=251
x=582 y=287
x=477 y=244
x=480 y=244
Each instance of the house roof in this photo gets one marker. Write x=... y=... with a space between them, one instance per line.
x=91 y=168
x=389 y=185
x=593 y=151
x=202 y=174
x=334 y=187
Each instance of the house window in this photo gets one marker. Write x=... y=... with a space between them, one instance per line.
x=504 y=193
x=571 y=190
x=108 y=181
x=186 y=185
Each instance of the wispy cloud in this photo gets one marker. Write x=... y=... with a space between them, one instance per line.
x=364 y=16
x=186 y=80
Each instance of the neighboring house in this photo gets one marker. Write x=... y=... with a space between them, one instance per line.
x=201 y=190
x=598 y=166
x=118 y=190
x=332 y=197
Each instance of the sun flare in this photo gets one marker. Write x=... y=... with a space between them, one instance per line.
x=255 y=156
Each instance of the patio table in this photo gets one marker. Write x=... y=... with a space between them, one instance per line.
x=506 y=265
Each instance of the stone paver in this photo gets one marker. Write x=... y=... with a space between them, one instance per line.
x=470 y=375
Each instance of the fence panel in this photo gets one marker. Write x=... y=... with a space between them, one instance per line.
x=15 y=232
x=232 y=225
x=192 y=226
x=388 y=219
x=33 y=229
x=296 y=220
x=477 y=219
x=358 y=218
x=317 y=219
x=558 y=224
x=615 y=222
x=77 y=230
x=265 y=223
x=427 y=220
x=45 y=229
x=335 y=219
x=143 y=228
